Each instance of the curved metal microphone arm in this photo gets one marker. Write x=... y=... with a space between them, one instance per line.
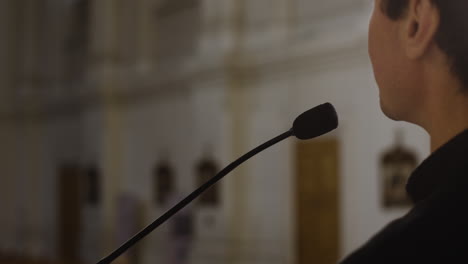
x=147 y=230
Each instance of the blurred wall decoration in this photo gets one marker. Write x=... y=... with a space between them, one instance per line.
x=164 y=182
x=206 y=169
x=101 y=85
x=397 y=164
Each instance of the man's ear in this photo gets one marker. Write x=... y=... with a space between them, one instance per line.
x=420 y=27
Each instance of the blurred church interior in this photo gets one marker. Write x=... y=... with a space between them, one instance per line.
x=112 y=110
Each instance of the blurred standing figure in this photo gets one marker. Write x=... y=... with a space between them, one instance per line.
x=419 y=53
x=181 y=232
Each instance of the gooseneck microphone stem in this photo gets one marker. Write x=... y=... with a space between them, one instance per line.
x=310 y=124
x=119 y=251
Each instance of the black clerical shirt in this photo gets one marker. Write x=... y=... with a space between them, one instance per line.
x=436 y=228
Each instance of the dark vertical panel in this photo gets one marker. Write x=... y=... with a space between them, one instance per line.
x=69 y=209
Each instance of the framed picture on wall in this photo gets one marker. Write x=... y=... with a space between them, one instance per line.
x=164 y=185
x=206 y=169
x=396 y=166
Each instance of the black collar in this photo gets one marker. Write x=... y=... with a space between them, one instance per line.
x=446 y=167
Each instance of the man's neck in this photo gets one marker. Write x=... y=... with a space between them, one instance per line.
x=438 y=140
x=447 y=121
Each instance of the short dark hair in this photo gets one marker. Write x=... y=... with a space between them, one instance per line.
x=452 y=34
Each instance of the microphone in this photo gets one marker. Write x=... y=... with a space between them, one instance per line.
x=315 y=122
x=312 y=123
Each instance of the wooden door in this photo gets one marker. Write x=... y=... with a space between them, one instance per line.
x=69 y=212
x=317 y=202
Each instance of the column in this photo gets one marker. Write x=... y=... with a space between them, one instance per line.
x=145 y=36
x=30 y=167
x=104 y=60
x=238 y=110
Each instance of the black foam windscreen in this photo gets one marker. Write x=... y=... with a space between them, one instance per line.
x=315 y=122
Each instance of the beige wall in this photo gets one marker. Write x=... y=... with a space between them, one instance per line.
x=240 y=86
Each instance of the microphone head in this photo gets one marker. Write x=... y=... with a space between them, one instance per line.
x=315 y=122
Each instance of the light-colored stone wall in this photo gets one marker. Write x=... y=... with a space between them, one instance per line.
x=252 y=68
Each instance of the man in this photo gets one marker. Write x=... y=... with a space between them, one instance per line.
x=419 y=52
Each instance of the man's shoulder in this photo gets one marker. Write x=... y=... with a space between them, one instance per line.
x=434 y=231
